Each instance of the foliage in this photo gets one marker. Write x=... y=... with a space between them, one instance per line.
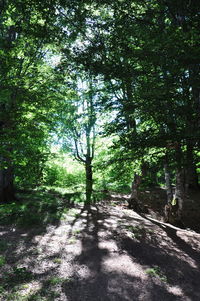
x=36 y=208
x=156 y=272
x=2 y=260
x=63 y=171
x=74 y=70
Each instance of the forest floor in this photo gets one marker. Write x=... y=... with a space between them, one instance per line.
x=107 y=254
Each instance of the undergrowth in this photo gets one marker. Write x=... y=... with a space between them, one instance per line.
x=35 y=208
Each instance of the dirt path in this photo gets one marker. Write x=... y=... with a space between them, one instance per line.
x=107 y=254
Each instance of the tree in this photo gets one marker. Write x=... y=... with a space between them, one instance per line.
x=79 y=124
x=148 y=52
x=26 y=31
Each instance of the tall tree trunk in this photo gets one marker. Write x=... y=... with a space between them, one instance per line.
x=7 y=193
x=191 y=176
x=153 y=176
x=179 y=190
x=174 y=206
x=89 y=179
x=168 y=181
x=168 y=206
x=179 y=193
x=134 y=201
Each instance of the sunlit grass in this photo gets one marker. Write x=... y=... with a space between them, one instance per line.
x=155 y=271
x=57 y=260
x=2 y=260
x=37 y=207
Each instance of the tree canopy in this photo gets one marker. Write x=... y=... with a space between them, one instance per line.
x=138 y=65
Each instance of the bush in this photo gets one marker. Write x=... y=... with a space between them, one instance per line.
x=67 y=174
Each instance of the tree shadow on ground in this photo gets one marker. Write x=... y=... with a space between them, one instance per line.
x=177 y=260
x=179 y=242
x=37 y=214
x=95 y=282
x=100 y=272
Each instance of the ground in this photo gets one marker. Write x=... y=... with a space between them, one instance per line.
x=109 y=253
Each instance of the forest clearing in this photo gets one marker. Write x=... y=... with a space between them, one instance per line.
x=99 y=150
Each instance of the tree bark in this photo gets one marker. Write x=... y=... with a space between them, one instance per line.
x=168 y=205
x=179 y=193
x=168 y=182
x=191 y=176
x=191 y=179
x=173 y=208
x=7 y=193
x=134 y=202
x=89 y=179
x=179 y=190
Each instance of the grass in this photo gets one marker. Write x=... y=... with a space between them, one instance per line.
x=156 y=272
x=17 y=274
x=36 y=251
x=55 y=280
x=38 y=297
x=13 y=284
x=77 y=231
x=72 y=241
x=34 y=208
x=49 y=292
x=46 y=293
x=138 y=232
x=57 y=260
x=2 y=260
x=74 y=212
x=18 y=296
x=3 y=245
x=17 y=281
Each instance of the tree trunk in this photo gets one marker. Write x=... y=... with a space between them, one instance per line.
x=134 y=202
x=174 y=206
x=191 y=177
x=178 y=199
x=179 y=193
x=89 y=180
x=168 y=206
x=153 y=176
x=7 y=193
x=168 y=182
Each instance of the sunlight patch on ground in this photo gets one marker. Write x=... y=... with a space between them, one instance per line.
x=119 y=195
x=30 y=288
x=110 y=245
x=175 y=290
x=66 y=269
x=111 y=223
x=83 y=271
x=124 y=264
x=2 y=233
x=20 y=248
